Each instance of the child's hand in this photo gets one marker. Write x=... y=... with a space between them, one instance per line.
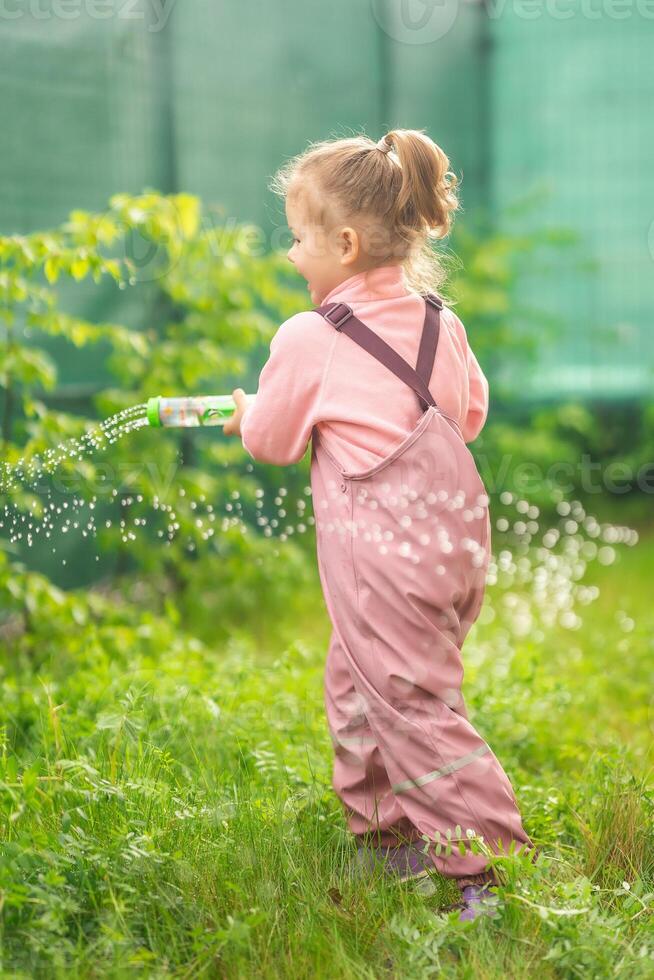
x=232 y=426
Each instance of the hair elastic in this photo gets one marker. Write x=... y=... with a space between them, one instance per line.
x=383 y=145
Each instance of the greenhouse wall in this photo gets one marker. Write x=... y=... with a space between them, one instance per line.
x=570 y=104
x=211 y=97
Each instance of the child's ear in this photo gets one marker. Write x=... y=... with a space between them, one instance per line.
x=349 y=245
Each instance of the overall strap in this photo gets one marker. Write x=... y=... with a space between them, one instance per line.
x=429 y=338
x=341 y=316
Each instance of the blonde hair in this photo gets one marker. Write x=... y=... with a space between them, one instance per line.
x=402 y=185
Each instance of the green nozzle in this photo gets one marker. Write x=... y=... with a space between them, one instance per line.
x=153 y=411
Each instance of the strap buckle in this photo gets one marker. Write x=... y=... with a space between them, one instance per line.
x=338 y=323
x=434 y=300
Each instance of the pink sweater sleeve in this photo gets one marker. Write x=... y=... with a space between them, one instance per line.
x=478 y=388
x=276 y=426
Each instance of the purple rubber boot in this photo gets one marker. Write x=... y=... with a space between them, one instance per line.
x=402 y=862
x=478 y=900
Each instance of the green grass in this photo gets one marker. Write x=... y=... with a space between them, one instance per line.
x=167 y=807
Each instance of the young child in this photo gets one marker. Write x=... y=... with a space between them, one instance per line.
x=401 y=513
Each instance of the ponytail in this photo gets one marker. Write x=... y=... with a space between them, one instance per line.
x=427 y=194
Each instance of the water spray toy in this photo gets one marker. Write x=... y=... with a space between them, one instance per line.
x=199 y=410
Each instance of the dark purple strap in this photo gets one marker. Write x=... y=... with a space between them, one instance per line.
x=429 y=338
x=340 y=315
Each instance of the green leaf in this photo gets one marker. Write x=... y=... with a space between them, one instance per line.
x=79 y=267
x=28 y=365
x=112 y=266
x=51 y=268
x=188 y=210
x=80 y=332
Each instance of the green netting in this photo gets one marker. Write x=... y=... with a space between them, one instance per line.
x=254 y=82
x=81 y=114
x=440 y=85
x=217 y=98
x=570 y=102
x=83 y=117
x=250 y=89
x=210 y=99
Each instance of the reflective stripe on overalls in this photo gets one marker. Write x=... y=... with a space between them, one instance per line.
x=403 y=550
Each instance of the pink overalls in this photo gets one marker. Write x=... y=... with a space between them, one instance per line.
x=403 y=551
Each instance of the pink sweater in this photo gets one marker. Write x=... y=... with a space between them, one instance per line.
x=316 y=375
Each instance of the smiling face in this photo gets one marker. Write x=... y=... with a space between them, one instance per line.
x=324 y=257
